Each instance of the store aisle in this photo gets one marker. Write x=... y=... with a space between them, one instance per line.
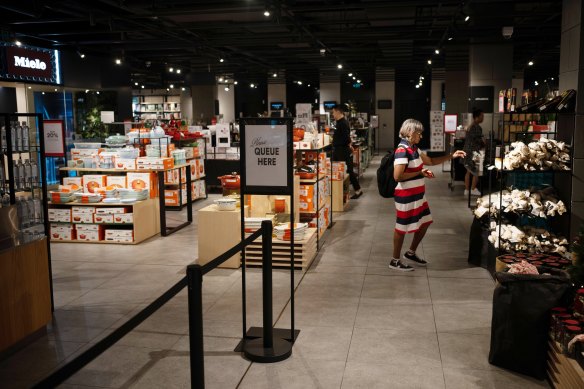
x=362 y=325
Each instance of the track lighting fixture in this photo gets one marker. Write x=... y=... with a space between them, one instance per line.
x=118 y=61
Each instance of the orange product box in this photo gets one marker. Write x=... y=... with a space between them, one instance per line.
x=74 y=182
x=306 y=198
x=125 y=164
x=124 y=218
x=113 y=182
x=57 y=215
x=171 y=176
x=62 y=232
x=90 y=232
x=103 y=218
x=139 y=181
x=92 y=182
x=171 y=197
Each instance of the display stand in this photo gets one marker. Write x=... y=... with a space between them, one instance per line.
x=263 y=175
x=563 y=372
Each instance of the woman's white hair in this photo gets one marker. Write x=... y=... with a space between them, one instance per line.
x=409 y=127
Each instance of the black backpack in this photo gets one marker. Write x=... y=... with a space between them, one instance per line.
x=385 y=182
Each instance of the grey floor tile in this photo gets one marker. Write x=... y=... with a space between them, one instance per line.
x=397 y=317
x=489 y=379
x=468 y=272
x=448 y=290
x=331 y=312
x=463 y=318
x=323 y=343
x=395 y=290
x=295 y=373
x=334 y=269
x=395 y=348
x=465 y=351
x=325 y=285
x=360 y=375
x=109 y=300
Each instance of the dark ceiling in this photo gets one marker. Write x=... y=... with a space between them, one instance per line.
x=362 y=35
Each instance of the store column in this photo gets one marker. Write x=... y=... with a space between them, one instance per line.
x=330 y=87
x=226 y=97
x=572 y=77
x=385 y=90
x=277 y=90
x=490 y=70
x=204 y=95
x=456 y=79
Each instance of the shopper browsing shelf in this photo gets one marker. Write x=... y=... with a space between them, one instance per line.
x=473 y=142
x=342 y=147
x=412 y=211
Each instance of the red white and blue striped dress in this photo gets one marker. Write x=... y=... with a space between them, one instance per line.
x=412 y=209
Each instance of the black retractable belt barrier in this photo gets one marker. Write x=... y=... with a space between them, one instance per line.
x=267 y=349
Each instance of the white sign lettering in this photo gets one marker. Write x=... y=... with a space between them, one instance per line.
x=25 y=62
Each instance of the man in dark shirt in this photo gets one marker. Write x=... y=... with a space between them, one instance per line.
x=342 y=148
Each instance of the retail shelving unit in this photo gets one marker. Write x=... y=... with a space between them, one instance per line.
x=304 y=252
x=158 y=110
x=174 y=183
x=25 y=261
x=563 y=372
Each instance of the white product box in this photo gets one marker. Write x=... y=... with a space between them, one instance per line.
x=119 y=235
x=57 y=215
x=62 y=232
x=82 y=217
x=89 y=232
x=124 y=218
x=116 y=181
x=103 y=211
x=103 y=218
x=77 y=209
x=75 y=182
x=125 y=164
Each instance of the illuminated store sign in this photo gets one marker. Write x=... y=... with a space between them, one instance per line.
x=29 y=64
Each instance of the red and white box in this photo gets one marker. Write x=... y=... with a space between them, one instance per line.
x=125 y=236
x=116 y=182
x=110 y=210
x=62 y=232
x=91 y=182
x=82 y=217
x=75 y=182
x=125 y=164
x=103 y=218
x=90 y=232
x=124 y=218
x=57 y=215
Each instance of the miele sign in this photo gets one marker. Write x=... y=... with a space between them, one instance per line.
x=30 y=64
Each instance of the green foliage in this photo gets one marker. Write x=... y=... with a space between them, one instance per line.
x=93 y=127
x=577 y=269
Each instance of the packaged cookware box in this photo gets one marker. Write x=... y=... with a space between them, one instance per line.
x=75 y=182
x=91 y=182
x=90 y=232
x=116 y=182
x=140 y=181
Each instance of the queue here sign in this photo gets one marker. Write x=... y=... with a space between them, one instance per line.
x=266 y=155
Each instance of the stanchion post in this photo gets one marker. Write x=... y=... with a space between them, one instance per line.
x=195 y=293
x=267 y=282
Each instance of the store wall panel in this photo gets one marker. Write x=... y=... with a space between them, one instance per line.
x=204 y=97
x=226 y=103
x=385 y=90
x=7 y=99
x=277 y=92
x=329 y=91
x=186 y=105
x=436 y=95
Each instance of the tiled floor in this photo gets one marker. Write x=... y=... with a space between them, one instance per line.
x=362 y=325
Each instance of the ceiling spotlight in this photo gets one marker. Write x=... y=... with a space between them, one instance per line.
x=97 y=92
x=167 y=89
x=308 y=85
x=275 y=75
x=536 y=83
x=437 y=51
x=450 y=38
x=266 y=13
x=339 y=66
x=552 y=78
x=171 y=70
x=323 y=52
x=171 y=86
x=467 y=18
x=183 y=89
x=18 y=43
x=417 y=86
x=350 y=74
x=252 y=85
x=359 y=81
x=136 y=83
x=178 y=71
x=55 y=89
x=86 y=90
x=530 y=63
x=429 y=62
x=226 y=89
x=43 y=93
x=234 y=82
x=30 y=87
x=220 y=79
x=142 y=86
x=299 y=82
x=118 y=61
x=354 y=78
x=81 y=55
x=221 y=60
x=421 y=77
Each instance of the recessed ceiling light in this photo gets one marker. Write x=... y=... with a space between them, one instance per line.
x=437 y=51
x=234 y=82
x=118 y=61
x=350 y=74
x=417 y=86
x=220 y=79
x=183 y=89
x=450 y=38
x=82 y=55
x=142 y=87
x=221 y=60
x=530 y=63
x=266 y=13
x=226 y=89
x=136 y=83
x=252 y=85
x=299 y=82
x=275 y=75
x=339 y=66
x=178 y=71
x=429 y=62
x=18 y=43
x=467 y=18
x=171 y=70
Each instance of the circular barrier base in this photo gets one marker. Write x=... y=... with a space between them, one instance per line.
x=254 y=350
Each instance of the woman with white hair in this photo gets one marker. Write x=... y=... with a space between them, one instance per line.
x=412 y=211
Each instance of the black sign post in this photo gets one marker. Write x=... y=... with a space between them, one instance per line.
x=267 y=169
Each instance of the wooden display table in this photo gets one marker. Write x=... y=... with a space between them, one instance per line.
x=25 y=295
x=218 y=232
x=563 y=372
x=304 y=252
x=339 y=202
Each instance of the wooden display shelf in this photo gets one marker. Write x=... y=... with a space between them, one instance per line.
x=100 y=204
x=146 y=220
x=98 y=170
x=338 y=194
x=304 y=252
x=563 y=372
x=321 y=177
x=25 y=296
x=183 y=183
